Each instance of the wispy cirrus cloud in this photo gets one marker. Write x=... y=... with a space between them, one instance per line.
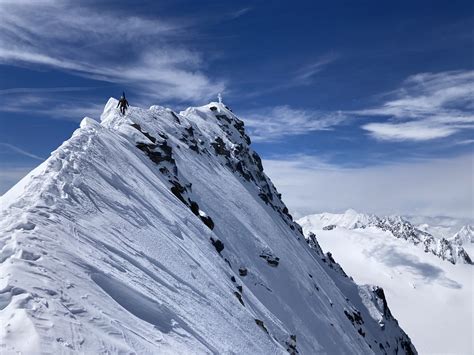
x=305 y=75
x=49 y=102
x=273 y=123
x=21 y=151
x=240 y=12
x=141 y=52
x=427 y=106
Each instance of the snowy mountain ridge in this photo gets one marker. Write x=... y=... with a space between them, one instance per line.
x=399 y=227
x=158 y=231
x=464 y=236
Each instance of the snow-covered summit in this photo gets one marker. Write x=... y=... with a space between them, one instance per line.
x=160 y=232
x=350 y=219
x=398 y=226
x=465 y=236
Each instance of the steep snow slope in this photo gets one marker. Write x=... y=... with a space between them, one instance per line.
x=398 y=227
x=431 y=298
x=159 y=232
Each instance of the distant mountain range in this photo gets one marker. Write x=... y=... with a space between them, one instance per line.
x=451 y=249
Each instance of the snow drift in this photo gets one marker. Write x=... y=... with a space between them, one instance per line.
x=159 y=232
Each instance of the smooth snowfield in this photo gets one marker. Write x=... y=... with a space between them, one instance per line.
x=431 y=298
x=101 y=252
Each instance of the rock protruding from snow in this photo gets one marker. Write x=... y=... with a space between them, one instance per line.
x=159 y=232
x=449 y=250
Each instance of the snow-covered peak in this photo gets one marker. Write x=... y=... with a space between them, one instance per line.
x=465 y=236
x=159 y=232
x=350 y=219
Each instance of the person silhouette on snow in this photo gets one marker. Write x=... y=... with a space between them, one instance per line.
x=123 y=103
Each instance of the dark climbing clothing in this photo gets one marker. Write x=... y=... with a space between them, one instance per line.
x=123 y=104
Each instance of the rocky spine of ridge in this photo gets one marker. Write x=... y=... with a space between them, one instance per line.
x=443 y=248
x=235 y=153
x=119 y=215
x=373 y=297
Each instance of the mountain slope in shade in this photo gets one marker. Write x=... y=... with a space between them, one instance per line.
x=398 y=227
x=159 y=232
x=431 y=298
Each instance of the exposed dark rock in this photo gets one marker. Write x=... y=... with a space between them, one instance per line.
x=261 y=325
x=136 y=126
x=354 y=317
x=177 y=189
x=213 y=108
x=239 y=297
x=176 y=118
x=232 y=278
x=407 y=346
x=380 y=294
x=194 y=207
x=243 y=271
x=271 y=259
x=217 y=244
x=207 y=221
x=258 y=161
x=220 y=148
x=329 y=227
x=264 y=197
x=240 y=168
x=224 y=117
x=240 y=288
x=291 y=345
x=146 y=134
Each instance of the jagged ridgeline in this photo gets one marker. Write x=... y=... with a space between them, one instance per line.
x=159 y=232
x=446 y=249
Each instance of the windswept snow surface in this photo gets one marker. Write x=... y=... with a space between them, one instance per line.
x=431 y=298
x=158 y=232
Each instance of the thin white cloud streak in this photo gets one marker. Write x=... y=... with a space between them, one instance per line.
x=21 y=151
x=431 y=188
x=44 y=90
x=45 y=104
x=305 y=75
x=274 y=123
x=130 y=50
x=240 y=13
x=427 y=106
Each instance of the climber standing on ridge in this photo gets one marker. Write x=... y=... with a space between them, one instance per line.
x=123 y=103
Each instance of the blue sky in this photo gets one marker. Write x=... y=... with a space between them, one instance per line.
x=342 y=86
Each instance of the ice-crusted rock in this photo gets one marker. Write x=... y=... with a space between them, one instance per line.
x=159 y=232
